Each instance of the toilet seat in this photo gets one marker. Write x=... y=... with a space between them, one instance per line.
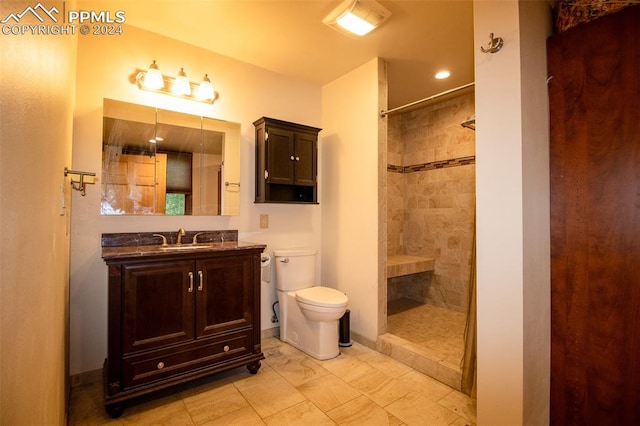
x=322 y=296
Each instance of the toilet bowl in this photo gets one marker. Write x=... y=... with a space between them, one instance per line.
x=309 y=313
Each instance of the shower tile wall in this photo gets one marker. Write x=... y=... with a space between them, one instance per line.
x=431 y=199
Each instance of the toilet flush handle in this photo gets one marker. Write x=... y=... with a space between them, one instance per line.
x=285 y=260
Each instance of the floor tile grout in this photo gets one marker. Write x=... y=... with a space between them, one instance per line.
x=286 y=402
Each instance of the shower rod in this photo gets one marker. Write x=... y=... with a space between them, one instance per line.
x=383 y=113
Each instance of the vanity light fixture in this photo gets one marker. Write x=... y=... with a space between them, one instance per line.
x=153 y=77
x=205 y=89
x=357 y=17
x=180 y=86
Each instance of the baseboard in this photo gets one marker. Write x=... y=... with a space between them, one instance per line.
x=365 y=341
x=270 y=332
x=88 y=377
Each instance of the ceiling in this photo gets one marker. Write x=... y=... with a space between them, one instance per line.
x=288 y=37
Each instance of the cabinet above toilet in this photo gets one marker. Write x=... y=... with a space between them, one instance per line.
x=286 y=162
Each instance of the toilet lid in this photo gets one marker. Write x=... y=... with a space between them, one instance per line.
x=322 y=296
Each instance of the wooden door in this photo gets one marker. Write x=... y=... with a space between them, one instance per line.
x=306 y=158
x=594 y=96
x=279 y=150
x=136 y=184
x=224 y=299
x=158 y=304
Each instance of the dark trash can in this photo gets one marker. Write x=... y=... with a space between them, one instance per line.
x=345 y=334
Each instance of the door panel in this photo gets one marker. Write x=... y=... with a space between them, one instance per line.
x=305 y=147
x=136 y=183
x=158 y=307
x=225 y=298
x=279 y=151
x=595 y=221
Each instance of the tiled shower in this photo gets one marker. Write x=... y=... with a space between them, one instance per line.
x=431 y=209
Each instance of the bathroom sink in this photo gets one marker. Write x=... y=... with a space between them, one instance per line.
x=185 y=247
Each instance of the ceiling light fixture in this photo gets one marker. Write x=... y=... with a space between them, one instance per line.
x=180 y=86
x=441 y=75
x=357 y=17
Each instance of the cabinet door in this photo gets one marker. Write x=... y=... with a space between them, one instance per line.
x=280 y=164
x=158 y=305
x=224 y=299
x=305 y=156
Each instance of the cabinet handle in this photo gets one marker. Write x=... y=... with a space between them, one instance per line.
x=190 y=290
x=292 y=158
x=226 y=348
x=160 y=365
x=200 y=281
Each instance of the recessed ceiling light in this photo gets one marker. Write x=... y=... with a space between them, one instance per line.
x=442 y=74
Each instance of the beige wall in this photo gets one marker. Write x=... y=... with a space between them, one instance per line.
x=512 y=214
x=535 y=27
x=37 y=85
x=246 y=93
x=349 y=151
x=431 y=212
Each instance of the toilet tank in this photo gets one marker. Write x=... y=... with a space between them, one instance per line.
x=295 y=268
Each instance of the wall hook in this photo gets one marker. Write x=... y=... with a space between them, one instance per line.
x=495 y=44
x=78 y=185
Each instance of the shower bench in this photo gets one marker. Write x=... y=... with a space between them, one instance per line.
x=402 y=264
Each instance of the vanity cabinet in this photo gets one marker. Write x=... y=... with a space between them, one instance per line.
x=286 y=162
x=178 y=317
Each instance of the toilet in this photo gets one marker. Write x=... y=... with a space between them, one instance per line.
x=309 y=313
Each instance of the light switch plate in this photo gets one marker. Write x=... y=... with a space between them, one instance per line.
x=264 y=221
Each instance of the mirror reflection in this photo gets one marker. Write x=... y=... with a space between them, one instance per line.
x=160 y=162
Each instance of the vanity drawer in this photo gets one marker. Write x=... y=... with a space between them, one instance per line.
x=151 y=366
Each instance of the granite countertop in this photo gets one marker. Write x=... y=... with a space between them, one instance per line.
x=156 y=250
x=147 y=244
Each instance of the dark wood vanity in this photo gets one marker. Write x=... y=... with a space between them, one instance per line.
x=286 y=162
x=179 y=312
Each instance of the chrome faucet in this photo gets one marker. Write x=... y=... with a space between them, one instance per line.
x=180 y=235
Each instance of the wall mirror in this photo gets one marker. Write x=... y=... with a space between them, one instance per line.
x=160 y=162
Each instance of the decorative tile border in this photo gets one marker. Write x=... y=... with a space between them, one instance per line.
x=454 y=162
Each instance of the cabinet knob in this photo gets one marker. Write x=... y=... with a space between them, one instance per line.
x=292 y=158
x=160 y=365
x=297 y=158
x=226 y=348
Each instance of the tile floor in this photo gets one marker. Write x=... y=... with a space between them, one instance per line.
x=427 y=338
x=359 y=387
x=432 y=328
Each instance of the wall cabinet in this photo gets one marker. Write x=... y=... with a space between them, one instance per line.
x=286 y=162
x=177 y=317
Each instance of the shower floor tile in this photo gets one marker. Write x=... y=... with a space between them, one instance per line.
x=436 y=331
